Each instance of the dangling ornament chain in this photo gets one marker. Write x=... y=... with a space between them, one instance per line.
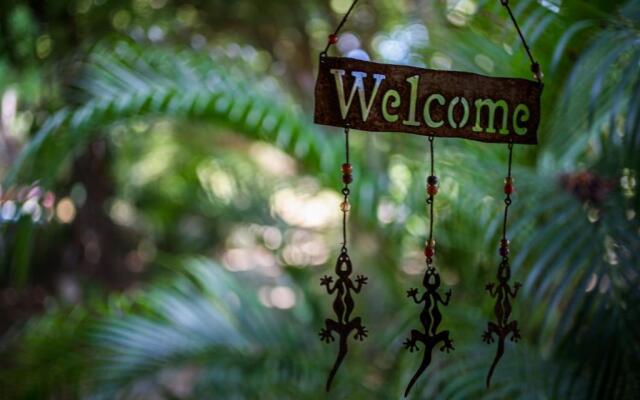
x=502 y=290
x=430 y=315
x=347 y=178
x=432 y=190
x=343 y=325
x=508 y=189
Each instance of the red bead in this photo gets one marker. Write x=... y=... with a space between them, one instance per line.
x=508 y=185
x=333 y=39
x=347 y=168
x=429 y=251
x=508 y=188
x=347 y=178
x=432 y=190
x=504 y=251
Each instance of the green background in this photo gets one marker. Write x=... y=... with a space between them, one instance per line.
x=196 y=205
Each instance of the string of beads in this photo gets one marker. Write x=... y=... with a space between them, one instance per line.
x=347 y=178
x=509 y=188
x=432 y=191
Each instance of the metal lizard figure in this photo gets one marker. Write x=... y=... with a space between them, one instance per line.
x=343 y=306
x=503 y=312
x=430 y=318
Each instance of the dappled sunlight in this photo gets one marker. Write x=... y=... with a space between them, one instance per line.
x=31 y=201
x=122 y=212
x=282 y=297
x=460 y=12
x=306 y=210
x=272 y=160
x=65 y=210
x=158 y=158
x=305 y=248
x=402 y=44
x=218 y=183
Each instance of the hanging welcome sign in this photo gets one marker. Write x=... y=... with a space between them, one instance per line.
x=392 y=98
x=355 y=94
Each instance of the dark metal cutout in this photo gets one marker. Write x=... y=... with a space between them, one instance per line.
x=343 y=306
x=502 y=291
x=430 y=318
x=343 y=303
x=430 y=315
x=520 y=93
x=473 y=107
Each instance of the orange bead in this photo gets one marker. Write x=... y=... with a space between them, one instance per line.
x=345 y=206
x=432 y=190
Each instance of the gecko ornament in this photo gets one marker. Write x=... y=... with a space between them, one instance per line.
x=502 y=292
x=430 y=318
x=343 y=306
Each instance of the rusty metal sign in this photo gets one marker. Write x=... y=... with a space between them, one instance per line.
x=393 y=98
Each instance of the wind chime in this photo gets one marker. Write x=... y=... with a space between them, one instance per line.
x=363 y=95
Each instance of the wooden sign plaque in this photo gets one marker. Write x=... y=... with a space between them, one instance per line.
x=394 y=98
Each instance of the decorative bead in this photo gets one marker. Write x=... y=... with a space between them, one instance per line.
x=347 y=168
x=333 y=39
x=430 y=248
x=432 y=190
x=508 y=185
x=432 y=180
x=537 y=73
x=429 y=251
x=504 y=247
x=535 y=68
x=347 y=178
x=345 y=206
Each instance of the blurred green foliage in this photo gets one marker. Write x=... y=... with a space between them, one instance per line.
x=196 y=205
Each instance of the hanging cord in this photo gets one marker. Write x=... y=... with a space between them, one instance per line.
x=432 y=190
x=333 y=38
x=347 y=178
x=535 y=67
x=508 y=189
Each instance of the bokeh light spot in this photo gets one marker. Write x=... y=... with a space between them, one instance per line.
x=282 y=297
x=66 y=211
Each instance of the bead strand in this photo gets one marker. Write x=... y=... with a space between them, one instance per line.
x=432 y=190
x=508 y=189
